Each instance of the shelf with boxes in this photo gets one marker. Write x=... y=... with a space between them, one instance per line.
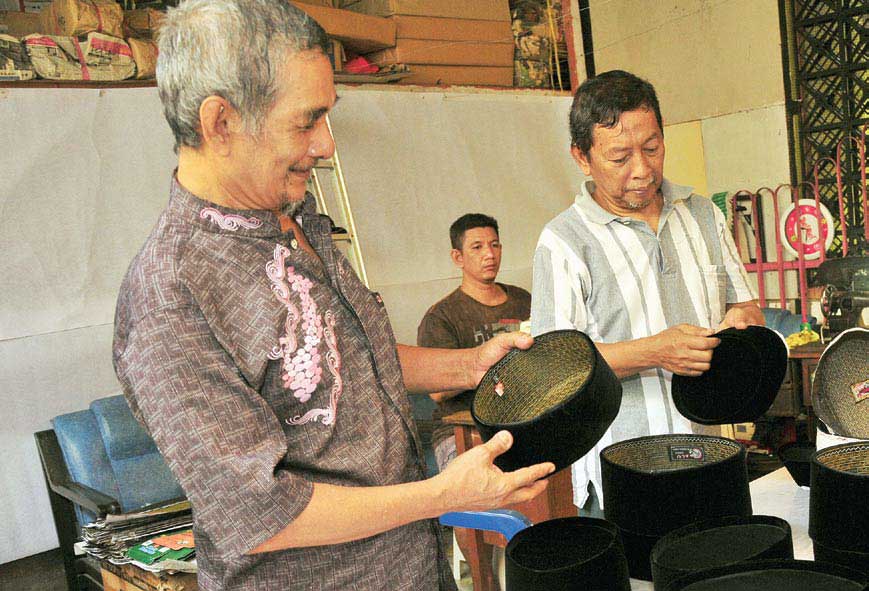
x=78 y=41
x=490 y=43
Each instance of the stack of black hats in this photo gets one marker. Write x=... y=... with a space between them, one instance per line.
x=838 y=509
x=773 y=575
x=656 y=484
x=721 y=541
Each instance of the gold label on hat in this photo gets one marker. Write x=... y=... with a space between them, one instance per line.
x=860 y=390
x=686 y=452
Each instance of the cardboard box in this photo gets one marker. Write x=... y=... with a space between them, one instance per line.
x=336 y=55
x=487 y=10
x=445 y=53
x=451 y=29
x=460 y=75
x=19 y=24
x=327 y=3
x=358 y=32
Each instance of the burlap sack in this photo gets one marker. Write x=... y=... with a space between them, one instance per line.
x=80 y=17
x=14 y=64
x=142 y=23
x=100 y=57
x=145 y=56
x=19 y=24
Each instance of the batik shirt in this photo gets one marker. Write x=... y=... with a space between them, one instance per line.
x=616 y=280
x=259 y=370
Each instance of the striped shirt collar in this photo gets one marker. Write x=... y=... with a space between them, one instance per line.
x=593 y=212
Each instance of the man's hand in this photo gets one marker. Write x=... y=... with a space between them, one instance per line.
x=490 y=352
x=742 y=316
x=685 y=349
x=471 y=482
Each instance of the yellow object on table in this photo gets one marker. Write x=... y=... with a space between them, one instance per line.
x=804 y=337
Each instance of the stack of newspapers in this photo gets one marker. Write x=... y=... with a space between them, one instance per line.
x=109 y=537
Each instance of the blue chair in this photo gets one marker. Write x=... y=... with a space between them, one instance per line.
x=96 y=462
x=503 y=521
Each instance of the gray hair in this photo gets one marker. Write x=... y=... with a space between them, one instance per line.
x=228 y=48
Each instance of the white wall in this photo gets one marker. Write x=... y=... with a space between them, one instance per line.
x=417 y=161
x=84 y=175
x=705 y=57
x=87 y=174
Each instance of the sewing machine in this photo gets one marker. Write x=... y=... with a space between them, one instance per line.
x=846 y=292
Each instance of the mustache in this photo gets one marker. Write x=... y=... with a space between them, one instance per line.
x=644 y=187
x=304 y=167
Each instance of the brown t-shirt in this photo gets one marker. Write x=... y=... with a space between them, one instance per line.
x=459 y=322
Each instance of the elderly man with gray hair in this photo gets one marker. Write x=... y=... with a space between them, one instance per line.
x=266 y=372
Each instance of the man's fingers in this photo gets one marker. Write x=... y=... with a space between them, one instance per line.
x=498 y=444
x=518 y=339
x=526 y=493
x=702 y=343
x=530 y=474
x=697 y=331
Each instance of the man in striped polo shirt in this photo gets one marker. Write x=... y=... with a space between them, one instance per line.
x=644 y=267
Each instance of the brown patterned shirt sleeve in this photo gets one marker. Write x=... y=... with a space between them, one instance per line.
x=211 y=419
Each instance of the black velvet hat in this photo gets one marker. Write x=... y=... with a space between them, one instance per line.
x=720 y=541
x=840 y=388
x=653 y=485
x=838 y=508
x=773 y=575
x=556 y=398
x=567 y=553
x=745 y=375
x=797 y=458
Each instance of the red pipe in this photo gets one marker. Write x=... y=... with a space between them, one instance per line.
x=779 y=259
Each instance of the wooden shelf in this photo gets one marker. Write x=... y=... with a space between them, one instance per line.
x=78 y=84
x=91 y=84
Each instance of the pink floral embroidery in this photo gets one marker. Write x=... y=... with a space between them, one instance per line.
x=302 y=372
x=229 y=221
x=333 y=361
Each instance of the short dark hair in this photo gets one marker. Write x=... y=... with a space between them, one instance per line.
x=602 y=100
x=467 y=222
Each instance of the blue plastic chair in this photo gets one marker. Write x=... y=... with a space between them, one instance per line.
x=503 y=521
x=95 y=462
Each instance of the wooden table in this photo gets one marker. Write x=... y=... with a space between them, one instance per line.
x=556 y=501
x=128 y=577
x=803 y=361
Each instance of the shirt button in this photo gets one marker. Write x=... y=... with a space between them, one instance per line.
x=294 y=244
